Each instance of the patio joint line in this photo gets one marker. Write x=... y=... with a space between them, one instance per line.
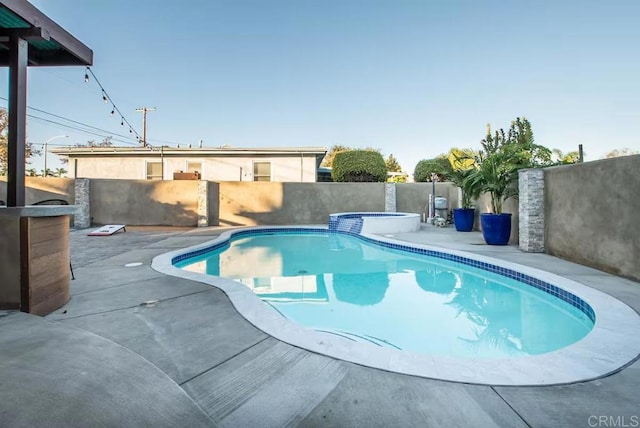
x=129 y=307
x=224 y=361
x=510 y=406
x=204 y=238
x=115 y=286
x=108 y=256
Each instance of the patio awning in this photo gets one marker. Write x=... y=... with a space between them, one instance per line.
x=49 y=44
x=29 y=38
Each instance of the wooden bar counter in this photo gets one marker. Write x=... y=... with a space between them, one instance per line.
x=34 y=258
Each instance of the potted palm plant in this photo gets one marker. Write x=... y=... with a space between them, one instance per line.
x=497 y=174
x=462 y=166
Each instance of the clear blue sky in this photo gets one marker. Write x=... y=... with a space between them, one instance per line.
x=412 y=78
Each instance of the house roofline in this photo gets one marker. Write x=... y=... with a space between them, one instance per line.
x=186 y=151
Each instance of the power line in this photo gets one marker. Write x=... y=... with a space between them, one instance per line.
x=73 y=121
x=109 y=133
x=80 y=129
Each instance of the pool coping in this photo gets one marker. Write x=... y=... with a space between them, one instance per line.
x=610 y=346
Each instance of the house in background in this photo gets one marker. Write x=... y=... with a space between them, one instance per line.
x=284 y=164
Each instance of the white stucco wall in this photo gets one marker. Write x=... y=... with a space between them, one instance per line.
x=283 y=169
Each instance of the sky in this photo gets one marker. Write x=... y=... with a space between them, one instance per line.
x=411 y=78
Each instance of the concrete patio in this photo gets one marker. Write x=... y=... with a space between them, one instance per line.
x=134 y=347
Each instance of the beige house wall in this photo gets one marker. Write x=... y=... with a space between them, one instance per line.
x=228 y=168
x=116 y=168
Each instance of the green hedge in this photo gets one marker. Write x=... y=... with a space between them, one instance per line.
x=440 y=165
x=359 y=166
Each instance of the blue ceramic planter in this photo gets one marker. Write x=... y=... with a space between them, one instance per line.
x=463 y=219
x=496 y=228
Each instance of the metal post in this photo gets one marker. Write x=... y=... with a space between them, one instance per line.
x=433 y=197
x=44 y=171
x=580 y=154
x=162 y=160
x=18 y=56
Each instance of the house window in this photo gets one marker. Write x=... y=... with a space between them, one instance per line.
x=194 y=167
x=262 y=171
x=154 y=170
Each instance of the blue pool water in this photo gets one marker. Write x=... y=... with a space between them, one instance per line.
x=343 y=285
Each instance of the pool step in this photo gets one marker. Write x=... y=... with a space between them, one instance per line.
x=362 y=338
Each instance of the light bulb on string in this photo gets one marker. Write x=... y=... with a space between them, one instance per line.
x=122 y=122
x=104 y=96
x=113 y=111
x=130 y=131
x=86 y=75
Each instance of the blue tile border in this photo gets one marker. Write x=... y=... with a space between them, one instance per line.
x=544 y=286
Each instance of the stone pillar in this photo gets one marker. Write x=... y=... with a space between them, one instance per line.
x=82 y=217
x=531 y=210
x=203 y=203
x=389 y=197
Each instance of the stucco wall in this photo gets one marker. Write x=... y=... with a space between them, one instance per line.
x=294 y=203
x=591 y=214
x=213 y=203
x=40 y=188
x=228 y=168
x=413 y=197
x=143 y=202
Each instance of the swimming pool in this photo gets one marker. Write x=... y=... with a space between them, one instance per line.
x=343 y=285
x=603 y=349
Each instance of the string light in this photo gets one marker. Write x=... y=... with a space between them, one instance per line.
x=107 y=99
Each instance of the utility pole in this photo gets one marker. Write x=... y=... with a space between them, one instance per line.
x=144 y=111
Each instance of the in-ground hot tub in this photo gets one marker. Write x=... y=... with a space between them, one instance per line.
x=374 y=222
